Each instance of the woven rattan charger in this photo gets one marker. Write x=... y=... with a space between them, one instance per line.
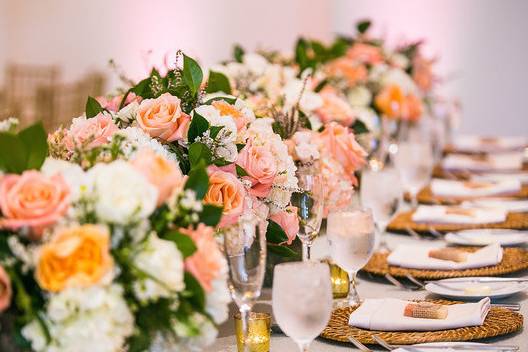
x=426 y=196
x=500 y=321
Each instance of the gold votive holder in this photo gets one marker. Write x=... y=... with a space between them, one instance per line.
x=258 y=332
x=340 y=280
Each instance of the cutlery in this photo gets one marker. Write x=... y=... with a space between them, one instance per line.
x=398 y=284
x=482 y=280
x=435 y=233
x=413 y=233
x=415 y=281
x=456 y=347
x=452 y=288
x=358 y=344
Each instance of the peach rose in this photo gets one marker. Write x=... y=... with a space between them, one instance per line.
x=6 y=292
x=335 y=109
x=226 y=109
x=390 y=101
x=90 y=133
x=338 y=187
x=163 y=118
x=206 y=263
x=112 y=104
x=341 y=144
x=32 y=200
x=348 y=69
x=365 y=53
x=77 y=256
x=289 y=221
x=422 y=73
x=259 y=163
x=412 y=108
x=162 y=173
x=225 y=190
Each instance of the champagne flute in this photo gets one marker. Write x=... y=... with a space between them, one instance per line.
x=381 y=191
x=309 y=200
x=302 y=300
x=414 y=161
x=352 y=240
x=245 y=249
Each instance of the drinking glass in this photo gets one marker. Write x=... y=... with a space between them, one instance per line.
x=381 y=191
x=302 y=300
x=309 y=200
x=352 y=239
x=414 y=161
x=245 y=249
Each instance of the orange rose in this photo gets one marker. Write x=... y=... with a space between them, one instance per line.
x=348 y=69
x=225 y=190
x=77 y=256
x=226 y=109
x=163 y=118
x=423 y=73
x=335 y=109
x=390 y=101
x=412 y=108
x=365 y=53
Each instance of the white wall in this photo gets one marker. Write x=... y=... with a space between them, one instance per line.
x=481 y=44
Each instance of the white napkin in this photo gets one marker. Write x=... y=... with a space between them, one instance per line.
x=451 y=188
x=440 y=214
x=386 y=314
x=498 y=162
x=509 y=205
x=417 y=257
x=521 y=176
x=479 y=144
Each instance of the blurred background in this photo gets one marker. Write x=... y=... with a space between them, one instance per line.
x=53 y=53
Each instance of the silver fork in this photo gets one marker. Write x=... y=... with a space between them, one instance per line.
x=358 y=344
x=458 y=347
x=398 y=284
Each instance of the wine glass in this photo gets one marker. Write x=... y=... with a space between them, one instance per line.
x=302 y=300
x=309 y=201
x=414 y=161
x=381 y=191
x=245 y=248
x=352 y=240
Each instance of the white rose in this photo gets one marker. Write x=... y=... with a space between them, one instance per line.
x=128 y=113
x=35 y=335
x=401 y=78
x=400 y=61
x=367 y=116
x=228 y=133
x=359 y=96
x=123 y=194
x=309 y=101
x=73 y=174
x=256 y=63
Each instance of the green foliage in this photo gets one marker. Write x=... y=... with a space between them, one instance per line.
x=363 y=26
x=238 y=53
x=240 y=171
x=93 y=108
x=192 y=74
x=184 y=243
x=211 y=215
x=198 y=181
x=23 y=151
x=214 y=130
x=359 y=127
x=199 y=154
x=183 y=160
x=218 y=82
x=312 y=53
x=282 y=251
x=198 y=127
x=275 y=233
x=195 y=292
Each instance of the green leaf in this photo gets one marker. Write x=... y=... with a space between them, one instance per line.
x=92 y=108
x=214 y=130
x=359 y=127
x=218 y=82
x=35 y=140
x=198 y=127
x=141 y=88
x=301 y=56
x=275 y=233
x=211 y=215
x=282 y=251
x=363 y=26
x=278 y=129
x=240 y=171
x=240 y=146
x=13 y=153
x=199 y=154
x=198 y=181
x=238 y=53
x=221 y=162
x=184 y=243
x=320 y=85
x=192 y=74
x=197 y=299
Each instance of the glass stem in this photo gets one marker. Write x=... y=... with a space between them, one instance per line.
x=414 y=199
x=306 y=250
x=303 y=346
x=353 y=296
x=244 y=318
x=382 y=239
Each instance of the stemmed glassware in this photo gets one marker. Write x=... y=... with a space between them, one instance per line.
x=302 y=300
x=309 y=200
x=381 y=191
x=414 y=161
x=245 y=249
x=352 y=239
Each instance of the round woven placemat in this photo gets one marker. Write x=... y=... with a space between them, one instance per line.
x=513 y=259
x=426 y=196
x=500 y=321
x=403 y=221
x=439 y=172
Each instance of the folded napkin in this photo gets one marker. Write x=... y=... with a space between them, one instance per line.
x=509 y=205
x=386 y=314
x=503 y=237
x=417 y=257
x=471 y=189
x=488 y=144
x=498 y=162
x=440 y=214
x=497 y=177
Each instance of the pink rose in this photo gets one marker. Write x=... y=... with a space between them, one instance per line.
x=289 y=221
x=365 y=53
x=162 y=173
x=90 y=133
x=163 y=118
x=112 y=104
x=341 y=144
x=206 y=263
x=5 y=290
x=352 y=71
x=335 y=109
x=259 y=163
x=32 y=200
x=226 y=109
x=226 y=190
x=337 y=185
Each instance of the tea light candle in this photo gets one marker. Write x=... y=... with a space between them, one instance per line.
x=258 y=334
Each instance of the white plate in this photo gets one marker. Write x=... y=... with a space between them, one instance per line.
x=440 y=349
x=484 y=237
x=498 y=289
